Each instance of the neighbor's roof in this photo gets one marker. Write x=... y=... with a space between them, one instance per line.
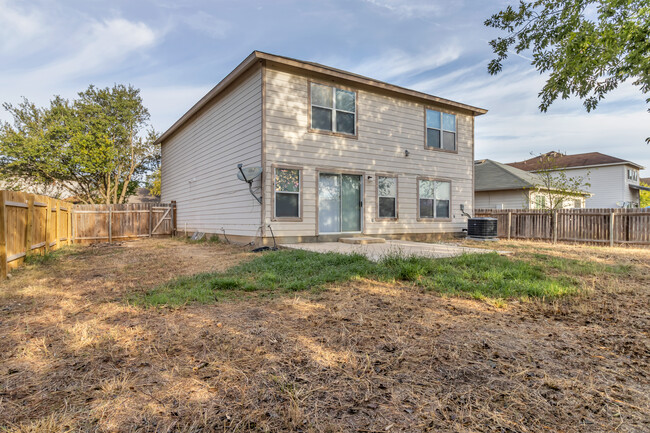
x=571 y=161
x=315 y=68
x=491 y=175
x=645 y=180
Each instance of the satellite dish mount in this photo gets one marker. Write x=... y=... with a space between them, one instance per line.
x=248 y=175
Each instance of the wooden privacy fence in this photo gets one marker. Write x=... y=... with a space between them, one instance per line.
x=30 y=224
x=600 y=226
x=94 y=223
x=34 y=224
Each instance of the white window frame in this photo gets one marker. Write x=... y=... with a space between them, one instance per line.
x=395 y=216
x=275 y=193
x=333 y=109
x=442 y=131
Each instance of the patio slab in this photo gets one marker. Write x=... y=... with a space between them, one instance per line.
x=376 y=252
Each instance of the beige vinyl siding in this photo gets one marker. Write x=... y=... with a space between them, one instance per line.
x=509 y=199
x=387 y=126
x=199 y=162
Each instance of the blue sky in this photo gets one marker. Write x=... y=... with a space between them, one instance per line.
x=176 y=50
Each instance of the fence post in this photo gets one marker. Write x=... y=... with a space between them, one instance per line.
x=150 y=219
x=70 y=209
x=29 y=227
x=48 y=218
x=611 y=229
x=3 y=237
x=173 y=217
x=509 y=223
x=554 y=221
x=58 y=225
x=110 y=224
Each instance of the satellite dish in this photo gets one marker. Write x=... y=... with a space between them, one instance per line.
x=249 y=174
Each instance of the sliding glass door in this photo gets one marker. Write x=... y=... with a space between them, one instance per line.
x=339 y=203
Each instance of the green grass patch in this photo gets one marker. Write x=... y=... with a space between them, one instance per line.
x=480 y=276
x=48 y=257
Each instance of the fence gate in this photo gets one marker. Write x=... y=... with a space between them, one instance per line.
x=96 y=223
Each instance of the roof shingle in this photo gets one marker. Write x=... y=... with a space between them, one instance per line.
x=567 y=161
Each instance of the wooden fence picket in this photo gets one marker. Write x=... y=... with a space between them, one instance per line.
x=594 y=226
x=35 y=224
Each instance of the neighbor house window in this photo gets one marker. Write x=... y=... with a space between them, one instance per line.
x=540 y=202
x=441 y=130
x=287 y=193
x=434 y=196
x=387 y=196
x=632 y=174
x=577 y=204
x=333 y=109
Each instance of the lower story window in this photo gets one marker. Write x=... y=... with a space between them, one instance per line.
x=287 y=193
x=387 y=195
x=434 y=196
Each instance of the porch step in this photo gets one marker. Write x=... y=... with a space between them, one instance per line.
x=362 y=240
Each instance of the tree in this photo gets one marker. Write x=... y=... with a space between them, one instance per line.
x=584 y=57
x=644 y=196
x=555 y=184
x=96 y=146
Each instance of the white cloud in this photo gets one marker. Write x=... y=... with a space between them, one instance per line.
x=101 y=45
x=397 y=64
x=20 y=28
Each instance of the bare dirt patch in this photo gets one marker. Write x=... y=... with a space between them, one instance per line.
x=362 y=356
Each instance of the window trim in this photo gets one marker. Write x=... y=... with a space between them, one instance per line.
x=451 y=196
x=396 y=177
x=441 y=130
x=356 y=110
x=300 y=169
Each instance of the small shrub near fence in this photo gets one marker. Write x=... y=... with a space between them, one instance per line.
x=598 y=226
x=35 y=224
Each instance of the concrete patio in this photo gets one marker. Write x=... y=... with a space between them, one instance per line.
x=376 y=251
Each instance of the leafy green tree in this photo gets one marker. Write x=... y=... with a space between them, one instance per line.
x=96 y=147
x=644 y=196
x=588 y=47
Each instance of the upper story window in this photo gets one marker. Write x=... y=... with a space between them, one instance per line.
x=333 y=109
x=287 y=193
x=434 y=197
x=441 y=130
x=387 y=197
x=632 y=175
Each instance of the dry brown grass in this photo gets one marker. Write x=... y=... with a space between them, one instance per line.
x=363 y=356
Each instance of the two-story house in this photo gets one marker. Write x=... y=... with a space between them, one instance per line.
x=339 y=154
x=613 y=182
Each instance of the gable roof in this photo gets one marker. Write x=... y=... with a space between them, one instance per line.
x=560 y=160
x=256 y=56
x=491 y=175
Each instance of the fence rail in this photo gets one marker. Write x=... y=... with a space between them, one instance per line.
x=30 y=224
x=93 y=223
x=33 y=224
x=597 y=226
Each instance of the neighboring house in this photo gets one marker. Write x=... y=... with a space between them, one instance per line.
x=142 y=195
x=55 y=190
x=614 y=182
x=341 y=154
x=500 y=186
